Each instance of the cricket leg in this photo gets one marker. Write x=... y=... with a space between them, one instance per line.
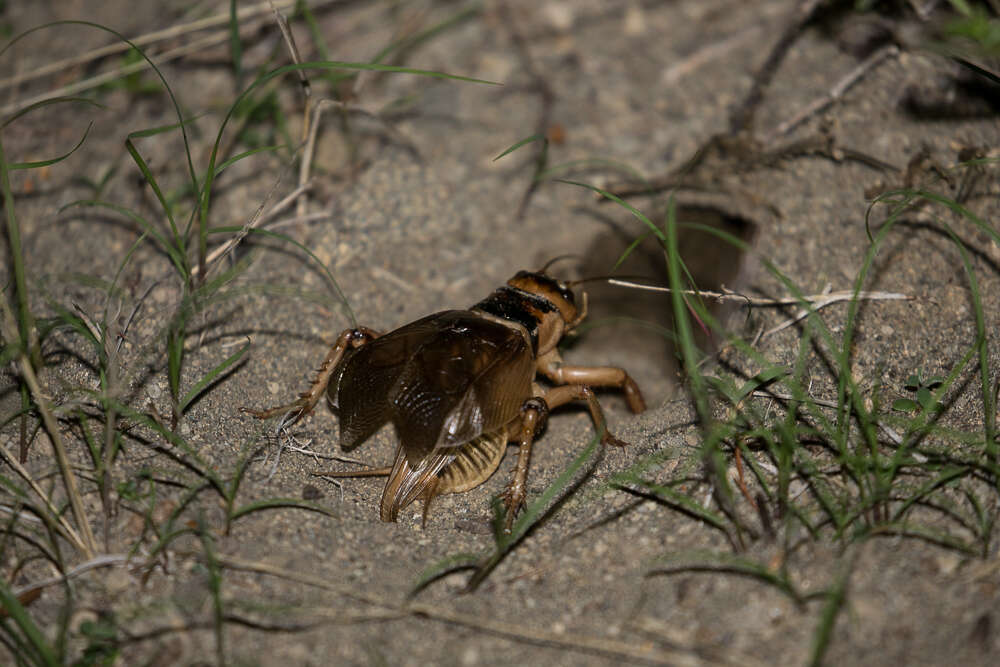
x=534 y=413
x=551 y=366
x=577 y=392
x=348 y=339
x=367 y=472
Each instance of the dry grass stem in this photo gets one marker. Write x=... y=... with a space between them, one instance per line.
x=890 y=432
x=222 y=18
x=820 y=300
x=87 y=544
x=293 y=52
x=742 y=117
x=118 y=73
x=706 y=54
x=258 y=219
x=838 y=90
x=309 y=148
x=62 y=526
x=92 y=564
x=644 y=652
x=720 y=49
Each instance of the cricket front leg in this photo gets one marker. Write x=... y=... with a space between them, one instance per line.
x=551 y=366
x=348 y=339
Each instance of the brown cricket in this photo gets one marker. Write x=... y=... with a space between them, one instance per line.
x=457 y=386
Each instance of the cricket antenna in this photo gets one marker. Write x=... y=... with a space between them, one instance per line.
x=557 y=258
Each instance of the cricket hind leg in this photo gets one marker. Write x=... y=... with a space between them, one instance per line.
x=347 y=340
x=534 y=414
x=567 y=393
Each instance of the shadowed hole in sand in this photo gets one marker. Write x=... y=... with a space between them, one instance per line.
x=636 y=320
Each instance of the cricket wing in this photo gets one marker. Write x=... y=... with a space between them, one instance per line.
x=407 y=483
x=469 y=378
x=447 y=470
x=370 y=373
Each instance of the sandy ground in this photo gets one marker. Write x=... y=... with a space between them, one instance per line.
x=424 y=219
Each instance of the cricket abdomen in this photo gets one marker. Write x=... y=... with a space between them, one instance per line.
x=475 y=462
x=451 y=470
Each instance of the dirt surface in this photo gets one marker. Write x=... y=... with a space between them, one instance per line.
x=411 y=214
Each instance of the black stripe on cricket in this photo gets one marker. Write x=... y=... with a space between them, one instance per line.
x=518 y=306
x=457 y=386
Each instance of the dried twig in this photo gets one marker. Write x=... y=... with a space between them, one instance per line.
x=729 y=295
x=257 y=220
x=92 y=564
x=582 y=643
x=707 y=54
x=548 y=99
x=838 y=90
x=742 y=118
x=308 y=135
x=115 y=74
x=717 y=50
x=890 y=432
x=62 y=526
x=823 y=300
x=293 y=51
x=60 y=66
x=87 y=544
x=313 y=123
x=817 y=301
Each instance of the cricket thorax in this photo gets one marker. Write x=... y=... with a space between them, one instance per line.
x=520 y=307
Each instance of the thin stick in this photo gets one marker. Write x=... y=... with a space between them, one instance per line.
x=548 y=100
x=721 y=48
x=826 y=403
x=707 y=54
x=296 y=220
x=258 y=219
x=95 y=81
x=817 y=301
x=311 y=126
x=385 y=274
x=293 y=51
x=768 y=393
x=62 y=525
x=822 y=301
x=307 y=133
x=838 y=90
x=582 y=643
x=742 y=117
x=88 y=544
x=143 y=40
x=313 y=123
x=92 y=564
x=729 y=295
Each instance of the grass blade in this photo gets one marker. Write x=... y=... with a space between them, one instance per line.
x=533 y=513
x=445 y=566
x=675 y=499
x=34 y=638
x=210 y=377
x=45 y=163
x=281 y=503
x=720 y=562
x=45 y=103
x=522 y=142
